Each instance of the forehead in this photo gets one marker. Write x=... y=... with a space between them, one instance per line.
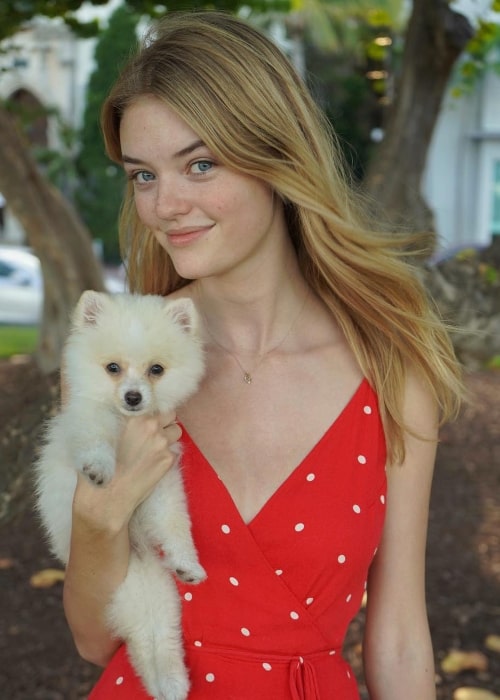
x=148 y=123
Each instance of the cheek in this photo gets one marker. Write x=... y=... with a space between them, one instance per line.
x=144 y=206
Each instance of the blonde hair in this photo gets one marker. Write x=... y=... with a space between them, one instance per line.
x=243 y=98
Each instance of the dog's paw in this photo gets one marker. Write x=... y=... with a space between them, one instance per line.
x=191 y=573
x=97 y=464
x=95 y=475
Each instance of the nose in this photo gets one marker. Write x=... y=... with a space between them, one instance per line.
x=133 y=398
x=171 y=199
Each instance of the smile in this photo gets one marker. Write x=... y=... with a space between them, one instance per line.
x=185 y=236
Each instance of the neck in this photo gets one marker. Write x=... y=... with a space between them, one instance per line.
x=250 y=324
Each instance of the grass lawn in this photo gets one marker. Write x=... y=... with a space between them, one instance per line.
x=17 y=340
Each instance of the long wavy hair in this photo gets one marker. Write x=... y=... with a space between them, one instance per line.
x=245 y=101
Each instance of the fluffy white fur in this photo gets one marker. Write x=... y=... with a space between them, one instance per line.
x=128 y=355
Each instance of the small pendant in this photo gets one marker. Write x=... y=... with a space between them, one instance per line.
x=247 y=378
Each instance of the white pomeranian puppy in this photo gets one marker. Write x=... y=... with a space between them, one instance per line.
x=128 y=355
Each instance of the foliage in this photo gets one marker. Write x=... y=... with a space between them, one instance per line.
x=341 y=88
x=59 y=164
x=101 y=182
x=14 y=14
x=481 y=54
x=352 y=59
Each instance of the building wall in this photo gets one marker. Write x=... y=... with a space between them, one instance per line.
x=460 y=177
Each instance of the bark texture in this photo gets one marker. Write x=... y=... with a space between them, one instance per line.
x=55 y=234
x=436 y=36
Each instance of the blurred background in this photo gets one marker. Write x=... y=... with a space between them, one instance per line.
x=412 y=89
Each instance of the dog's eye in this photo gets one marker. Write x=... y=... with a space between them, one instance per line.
x=113 y=368
x=156 y=370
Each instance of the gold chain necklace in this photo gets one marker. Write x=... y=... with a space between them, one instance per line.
x=247 y=376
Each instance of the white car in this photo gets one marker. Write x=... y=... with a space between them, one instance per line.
x=21 y=286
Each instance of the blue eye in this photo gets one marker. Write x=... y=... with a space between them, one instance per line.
x=202 y=166
x=141 y=177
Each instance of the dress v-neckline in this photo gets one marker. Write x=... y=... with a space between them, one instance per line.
x=186 y=437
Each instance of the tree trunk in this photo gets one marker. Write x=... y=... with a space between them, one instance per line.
x=435 y=38
x=56 y=235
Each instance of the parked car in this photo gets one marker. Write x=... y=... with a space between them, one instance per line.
x=21 y=286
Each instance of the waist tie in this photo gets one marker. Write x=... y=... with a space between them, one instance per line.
x=303 y=681
x=304 y=675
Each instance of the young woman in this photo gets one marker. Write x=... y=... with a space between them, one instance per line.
x=325 y=365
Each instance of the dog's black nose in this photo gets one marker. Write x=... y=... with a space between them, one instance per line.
x=133 y=398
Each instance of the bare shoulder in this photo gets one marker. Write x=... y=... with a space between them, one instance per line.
x=420 y=411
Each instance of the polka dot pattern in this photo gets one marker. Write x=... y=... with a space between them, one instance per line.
x=300 y=566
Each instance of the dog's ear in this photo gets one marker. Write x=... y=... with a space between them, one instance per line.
x=183 y=311
x=89 y=307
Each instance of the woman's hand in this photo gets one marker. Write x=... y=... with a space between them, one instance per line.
x=145 y=453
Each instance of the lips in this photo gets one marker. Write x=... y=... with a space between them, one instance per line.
x=186 y=235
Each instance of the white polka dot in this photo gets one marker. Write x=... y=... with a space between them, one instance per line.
x=278 y=572
x=309 y=601
x=245 y=632
x=356 y=508
x=367 y=410
x=294 y=615
x=361 y=459
x=266 y=666
x=341 y=558
x=347 y=600
x=197 y=643
x=332 y=652
x=310 y=477
x=234 y=581
x=188 y=596
x=119 y=680
x=225 y=529
x=348 y=674
x=382 y=499
x=301 y=659
x=299 y=527
x=210 y=677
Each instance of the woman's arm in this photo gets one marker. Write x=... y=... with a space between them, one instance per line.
x=397 y=649
x=100 y=546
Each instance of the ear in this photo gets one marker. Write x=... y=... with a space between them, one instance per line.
x=183 y=311
x=89 y=307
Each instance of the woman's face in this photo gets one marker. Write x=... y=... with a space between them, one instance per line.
x=210 y=219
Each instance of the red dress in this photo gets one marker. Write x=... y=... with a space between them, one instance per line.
x=270 y=620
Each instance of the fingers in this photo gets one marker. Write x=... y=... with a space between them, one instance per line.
x=173 y=433
x=147 y=440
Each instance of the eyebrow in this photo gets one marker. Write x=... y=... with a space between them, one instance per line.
x=179 y=154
